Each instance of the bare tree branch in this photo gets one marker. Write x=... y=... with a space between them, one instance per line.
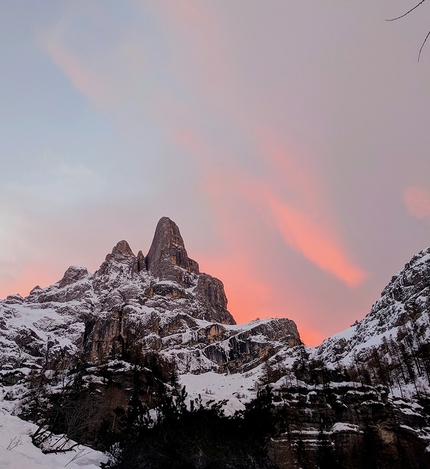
x=422 y=45
x=407 y=13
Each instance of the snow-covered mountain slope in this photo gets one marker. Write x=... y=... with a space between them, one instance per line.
x=135 y=304
x=398 y=323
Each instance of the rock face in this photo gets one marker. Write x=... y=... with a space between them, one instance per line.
x=211 y=290
x=350 y=426
x=167 y=258
x=72 y=275
x=242 y=352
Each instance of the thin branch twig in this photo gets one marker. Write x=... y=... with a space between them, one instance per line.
x=407 y=13
x=422 y=45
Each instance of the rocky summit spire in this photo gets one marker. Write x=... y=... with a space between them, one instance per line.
x=72 y=275
x=168 y=252
x=122 y=249
x=121 y=255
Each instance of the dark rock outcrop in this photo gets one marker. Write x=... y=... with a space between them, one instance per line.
x=72 y=275
x=350 y=427
x=211 y=291
x=167 y=258
x=121 y=261
x=249 y=348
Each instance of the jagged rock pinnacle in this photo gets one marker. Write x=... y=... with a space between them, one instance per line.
x=121 y=254
x=73 y=274
x=168 y=252
x=122 y=249
x=141 y=262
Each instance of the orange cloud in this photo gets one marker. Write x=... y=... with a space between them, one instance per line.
x=417 y=201
x=313 y=240
x=301 y=214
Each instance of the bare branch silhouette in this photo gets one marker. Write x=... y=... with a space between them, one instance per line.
x=422 y=45
x=407 y=13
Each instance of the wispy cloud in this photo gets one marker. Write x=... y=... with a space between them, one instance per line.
x=298 y=204
x=314 y=239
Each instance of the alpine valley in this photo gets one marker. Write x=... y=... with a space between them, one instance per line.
x=143 y=363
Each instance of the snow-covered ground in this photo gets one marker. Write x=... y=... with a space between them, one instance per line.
x=237 y=388
x=18 y=452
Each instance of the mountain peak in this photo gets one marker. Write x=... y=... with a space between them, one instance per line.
x=121 y=255
x=168 y=252
x=122 y=249
x=73 y=274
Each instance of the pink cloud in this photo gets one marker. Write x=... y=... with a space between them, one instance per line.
x=297 y=203
x=99 y=75
x=417 y=201
x=313 y=239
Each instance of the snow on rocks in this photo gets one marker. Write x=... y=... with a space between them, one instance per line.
x=237 y=388
x=341 y=427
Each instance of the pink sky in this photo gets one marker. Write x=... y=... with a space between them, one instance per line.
x=288 y=140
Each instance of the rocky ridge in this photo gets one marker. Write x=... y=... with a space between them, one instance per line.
x=133 y=304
